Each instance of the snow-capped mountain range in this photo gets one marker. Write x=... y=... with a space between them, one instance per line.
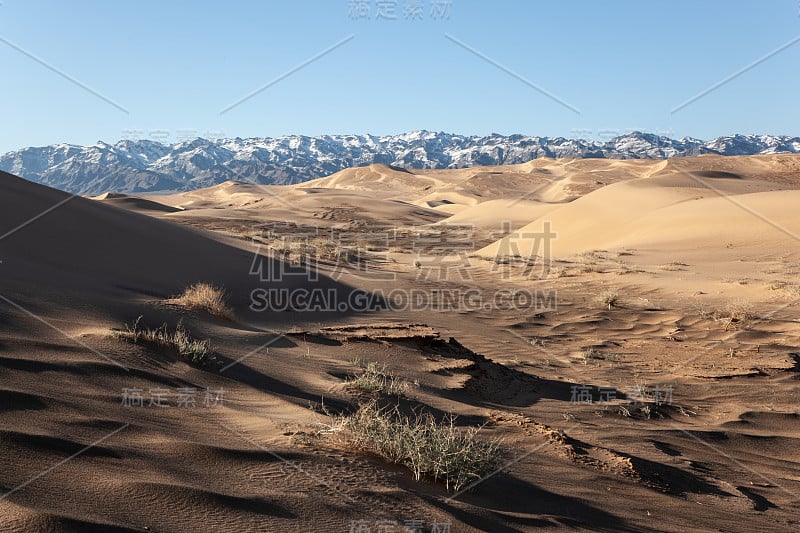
x=148 y=166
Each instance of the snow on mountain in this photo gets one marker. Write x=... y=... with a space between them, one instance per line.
x=144 y=165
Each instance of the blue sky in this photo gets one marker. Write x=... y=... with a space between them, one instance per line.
x=175 y=65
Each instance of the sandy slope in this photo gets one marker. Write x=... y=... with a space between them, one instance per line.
x=702 y=256
x=670 y=209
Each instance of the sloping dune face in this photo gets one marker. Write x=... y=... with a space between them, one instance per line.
x=381 y=179
x=134 y=203
x=682 y=205
x=103 y=256
x=77 y=452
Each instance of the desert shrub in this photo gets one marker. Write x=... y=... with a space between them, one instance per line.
x=439 y=451
x=779 y=285
x=591 y=257
x=735 y=315
x=608 y=299
x=204 y=297
x=673 y=265
x=324 y=247
x=179 y=341
x=305 y=250
x=376 y=378
x=624 y=268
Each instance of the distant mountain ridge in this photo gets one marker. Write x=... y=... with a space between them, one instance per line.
x=148 y=166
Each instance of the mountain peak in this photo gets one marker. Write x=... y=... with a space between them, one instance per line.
x=146 y=165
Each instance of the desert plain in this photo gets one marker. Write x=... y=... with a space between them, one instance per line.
x=624 y=333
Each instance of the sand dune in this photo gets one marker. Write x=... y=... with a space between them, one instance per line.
x=493 y=214
x=381 y=180
x=84 y=249
x=681 y=210
x=133 y=203
x=675 y=276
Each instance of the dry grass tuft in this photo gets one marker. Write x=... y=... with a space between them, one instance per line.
x=306 y=251
x=376 y=378
x=204 y=297
x=625 y=268
x=780 y=285
x=673 y=265
x=433 y=450
x=735 y=315
x=609 y=298
x=180 y=341
x=557 y=272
